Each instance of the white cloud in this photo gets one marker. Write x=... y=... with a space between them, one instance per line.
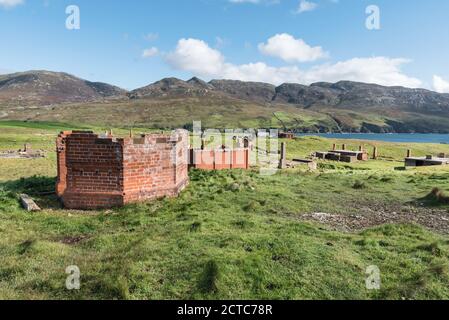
x=197 y=57
x=305 y=6
x=10 y=3
x=289 y=49
x=151 y=52
x=381 y=70
x=440 y=85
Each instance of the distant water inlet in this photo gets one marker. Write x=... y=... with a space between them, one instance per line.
x=394 y=137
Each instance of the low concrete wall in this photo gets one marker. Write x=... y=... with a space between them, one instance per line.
x=219 y=159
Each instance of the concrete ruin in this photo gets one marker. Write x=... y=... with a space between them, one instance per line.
x=219 y=159
x=311 y=164
x=26 y=153
x=343 y=155
x=428 y=161
x=98 y=172
x=285 y=164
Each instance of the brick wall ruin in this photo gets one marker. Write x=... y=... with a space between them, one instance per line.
x=96 y=172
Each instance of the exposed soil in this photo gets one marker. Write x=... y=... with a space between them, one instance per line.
x=73 y=240
x=434 y=219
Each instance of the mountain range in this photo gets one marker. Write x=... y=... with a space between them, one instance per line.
x=341 y=106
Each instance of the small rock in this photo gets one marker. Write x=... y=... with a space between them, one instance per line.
x=28 y=204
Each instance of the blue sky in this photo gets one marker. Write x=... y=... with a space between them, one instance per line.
x=135 y=42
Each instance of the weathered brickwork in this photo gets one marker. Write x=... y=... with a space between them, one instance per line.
x=101 y=172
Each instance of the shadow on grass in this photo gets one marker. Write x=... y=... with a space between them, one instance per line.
x=41 y=189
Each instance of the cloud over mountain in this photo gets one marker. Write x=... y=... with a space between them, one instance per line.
x=289 y=49
x=440 y=85
x=197 y=57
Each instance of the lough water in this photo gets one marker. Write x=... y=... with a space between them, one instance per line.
x=395 y=137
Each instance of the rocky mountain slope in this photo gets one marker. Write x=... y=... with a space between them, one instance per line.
x=357 y=96
x=173 y=88
x=343 y=106
x=45 y=88
x=341 y=95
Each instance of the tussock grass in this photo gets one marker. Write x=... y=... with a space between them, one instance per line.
x=214 y=242
x=438 y=196
x=359 y=185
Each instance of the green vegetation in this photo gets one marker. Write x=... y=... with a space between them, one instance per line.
x=233 y=235
x=226 y=112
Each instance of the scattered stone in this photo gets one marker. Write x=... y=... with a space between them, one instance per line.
x=370 y=215
x=28 y=203
x=26 y=153
x=311 y=165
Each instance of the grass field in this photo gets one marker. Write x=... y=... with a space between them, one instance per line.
x=232 y=235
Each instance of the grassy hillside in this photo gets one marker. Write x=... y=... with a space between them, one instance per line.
x=175 y=113
x=232 y=235
x=223 y=113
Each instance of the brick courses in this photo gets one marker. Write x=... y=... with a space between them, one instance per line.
x=102 y=172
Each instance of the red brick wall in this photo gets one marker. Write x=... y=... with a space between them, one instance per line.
x=90 y=171
x=155 y=166
x=96 y=172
